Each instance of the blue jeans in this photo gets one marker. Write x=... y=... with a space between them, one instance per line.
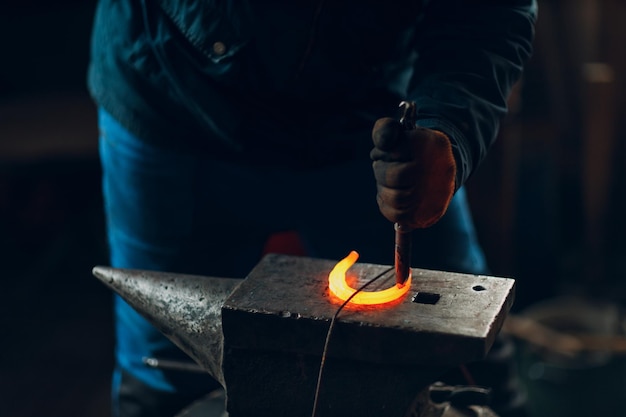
x=191 y=213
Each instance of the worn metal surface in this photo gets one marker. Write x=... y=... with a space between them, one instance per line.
x=276 y=321
x=185 y=308
x=263 y=337
x=284 y=305
x=282 y=384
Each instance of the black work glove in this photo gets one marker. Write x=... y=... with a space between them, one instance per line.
x=415 y=173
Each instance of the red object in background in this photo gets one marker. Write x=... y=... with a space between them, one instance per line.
x=286 y=243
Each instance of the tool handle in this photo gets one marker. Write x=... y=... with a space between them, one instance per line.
x=402 y=253
x=403 y=233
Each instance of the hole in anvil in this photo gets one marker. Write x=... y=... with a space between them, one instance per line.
x=478 y=288
x=426 y=298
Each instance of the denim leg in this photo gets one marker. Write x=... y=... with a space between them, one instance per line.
x=161 y=216
x=452 y=244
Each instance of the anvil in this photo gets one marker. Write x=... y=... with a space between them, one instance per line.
x=262 y=337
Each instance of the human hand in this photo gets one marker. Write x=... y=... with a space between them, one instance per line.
x=415 y=173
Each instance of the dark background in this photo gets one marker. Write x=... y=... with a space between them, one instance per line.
x=57 y=346
x=548 y=201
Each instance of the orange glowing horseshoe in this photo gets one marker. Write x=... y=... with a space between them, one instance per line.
x=340 y=288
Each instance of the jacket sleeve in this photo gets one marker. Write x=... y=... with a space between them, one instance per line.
x=470 y=54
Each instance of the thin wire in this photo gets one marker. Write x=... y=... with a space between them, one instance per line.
x=330 y=331
x=467 y=375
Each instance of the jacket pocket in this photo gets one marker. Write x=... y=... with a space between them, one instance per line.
x=213 y=29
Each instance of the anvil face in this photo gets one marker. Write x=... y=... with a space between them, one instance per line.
x=276 y=321
x=445 y=319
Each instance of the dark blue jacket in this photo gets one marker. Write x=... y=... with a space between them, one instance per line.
x=302 y=82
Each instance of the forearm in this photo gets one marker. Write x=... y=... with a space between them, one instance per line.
x=470 y=56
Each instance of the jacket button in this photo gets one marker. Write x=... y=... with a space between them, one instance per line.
x=219 y=48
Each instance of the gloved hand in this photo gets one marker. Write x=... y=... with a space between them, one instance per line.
x=415 y=173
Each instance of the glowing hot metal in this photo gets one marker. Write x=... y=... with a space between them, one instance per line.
x=340 y=288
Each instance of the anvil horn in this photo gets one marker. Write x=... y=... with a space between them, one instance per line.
x=185 y=308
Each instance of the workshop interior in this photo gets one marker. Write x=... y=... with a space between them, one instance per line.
x=547 y=202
